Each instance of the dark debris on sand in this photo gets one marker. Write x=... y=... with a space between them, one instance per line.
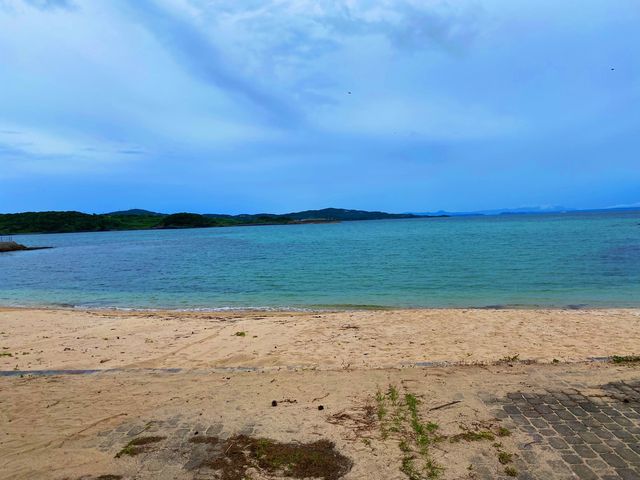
x=232 y=458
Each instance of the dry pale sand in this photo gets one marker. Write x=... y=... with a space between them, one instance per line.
x=71 y=426
x=70 y=339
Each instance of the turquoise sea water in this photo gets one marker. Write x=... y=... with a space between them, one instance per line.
x=589 y=259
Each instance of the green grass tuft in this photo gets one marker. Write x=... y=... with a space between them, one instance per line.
x=472 y=436
x=381 y=411
x=505 y=458
x=509 y=359
x=393 y=394
x=137 y=446
x=511 y=472
x=414 y=437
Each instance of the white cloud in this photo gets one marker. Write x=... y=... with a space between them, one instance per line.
x=32 y=151
x=193 y=86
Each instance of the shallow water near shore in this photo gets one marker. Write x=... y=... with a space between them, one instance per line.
x=561 y=260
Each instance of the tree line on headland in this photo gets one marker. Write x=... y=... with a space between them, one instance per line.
x=65 y=222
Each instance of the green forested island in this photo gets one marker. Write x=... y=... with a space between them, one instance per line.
x=136 y=219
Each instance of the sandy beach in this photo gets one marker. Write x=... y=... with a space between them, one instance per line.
x=175 y=376
x=319 y=240
x=70 y=339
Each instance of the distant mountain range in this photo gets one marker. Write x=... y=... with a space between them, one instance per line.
x=138 y=219
x=530 y=211
x=326 y=214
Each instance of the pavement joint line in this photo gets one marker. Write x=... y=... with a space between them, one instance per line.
x=421 y=364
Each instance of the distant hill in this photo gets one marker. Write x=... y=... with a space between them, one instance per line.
x=323 y=215
x=71 y=221
x=138 y=219
x=340 y=214
x=500 y=211
x=532 y=211
x=136 y=212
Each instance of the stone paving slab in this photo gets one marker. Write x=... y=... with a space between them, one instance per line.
x=176 y=453
x=592 y=436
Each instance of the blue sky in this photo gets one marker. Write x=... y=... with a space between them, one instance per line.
x=274 y=105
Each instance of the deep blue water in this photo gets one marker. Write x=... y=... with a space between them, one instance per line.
x=515 y=260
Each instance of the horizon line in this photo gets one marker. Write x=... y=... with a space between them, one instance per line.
x=542 y=209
